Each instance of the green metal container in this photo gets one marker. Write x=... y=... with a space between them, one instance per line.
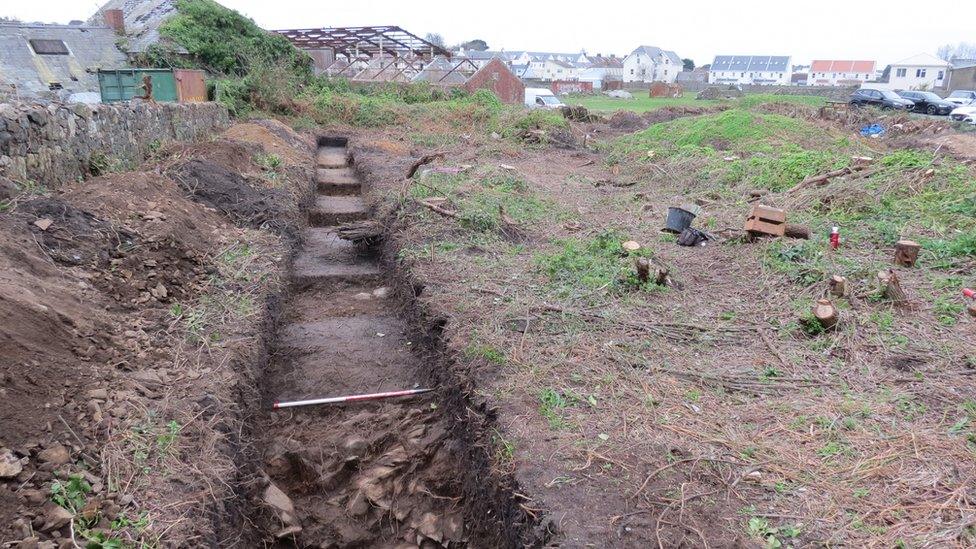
x=124 y=84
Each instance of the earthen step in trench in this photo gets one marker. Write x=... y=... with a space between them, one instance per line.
x=332 y=157
x=338 y=181
x=358 y=354
x=334 y=210
x=326 y=260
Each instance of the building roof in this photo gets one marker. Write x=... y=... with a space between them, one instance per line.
x=759 y=63
x=654 y=51
x=74 y=55
x=828 y=65
x=373 y=41
x=921 y=60
x=142 y=21
x=611 y=62
x=959 y=63
x=447 y=72
x=564 y=64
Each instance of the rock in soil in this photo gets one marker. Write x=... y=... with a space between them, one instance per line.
x=10 y=466
x=55 y=454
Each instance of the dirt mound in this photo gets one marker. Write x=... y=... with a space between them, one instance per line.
x=152 y=205
x=233 y=155
x=247 y=204
x=626 y=120
x=667 y=114
x=72 y=236
x=275 y=138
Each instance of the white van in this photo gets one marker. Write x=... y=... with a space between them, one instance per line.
x=541 y=98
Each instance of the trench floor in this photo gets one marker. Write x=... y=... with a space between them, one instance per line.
x=368 y=474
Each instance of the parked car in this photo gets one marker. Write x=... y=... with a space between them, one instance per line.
x=541 y=98
x=960 y=114
x=962 y=97
x=886 y=99
x=928 y=102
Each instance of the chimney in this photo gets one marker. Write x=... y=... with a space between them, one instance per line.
x=115 y=20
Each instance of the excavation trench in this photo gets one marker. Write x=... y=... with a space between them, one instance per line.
x=411 y=472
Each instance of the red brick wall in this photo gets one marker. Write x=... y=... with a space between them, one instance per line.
x=497 y=77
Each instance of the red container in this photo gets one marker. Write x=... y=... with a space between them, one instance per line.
x=835 y=237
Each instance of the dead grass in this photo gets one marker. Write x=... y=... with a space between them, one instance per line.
x=707 y=414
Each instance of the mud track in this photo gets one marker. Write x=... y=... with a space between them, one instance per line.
x=412 y=472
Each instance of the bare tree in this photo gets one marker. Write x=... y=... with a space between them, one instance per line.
x=962 y=50
x=435 y=39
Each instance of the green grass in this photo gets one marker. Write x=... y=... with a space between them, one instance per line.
x=640 y=103
x=580 y=265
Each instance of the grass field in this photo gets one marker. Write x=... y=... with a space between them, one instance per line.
x=642 y=103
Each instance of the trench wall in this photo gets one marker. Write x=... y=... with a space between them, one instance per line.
x=52 y=143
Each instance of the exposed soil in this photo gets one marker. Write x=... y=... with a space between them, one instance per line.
x=378 y=474
x=133 y=323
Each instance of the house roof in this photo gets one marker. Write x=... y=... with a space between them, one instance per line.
x=959 y=63
x=72 y=66
x=922 y=60
x=760 y=63
x=563 y=64
x=142 y=20
x=829 y=65
x=654 y=51
x=606 y=62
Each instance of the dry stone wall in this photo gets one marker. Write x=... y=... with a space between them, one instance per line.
x=54 y=142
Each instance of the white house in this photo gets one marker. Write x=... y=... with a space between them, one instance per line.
x=602 y=69
x=829 y=72
x=751 y=69
x=651 y=64
x=919 y=72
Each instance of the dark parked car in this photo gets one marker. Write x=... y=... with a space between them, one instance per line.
x=928 y=102
x=880 y=98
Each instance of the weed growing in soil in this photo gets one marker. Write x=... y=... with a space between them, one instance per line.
x=592 y=264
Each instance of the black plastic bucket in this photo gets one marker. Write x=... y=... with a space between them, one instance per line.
x=678 y=220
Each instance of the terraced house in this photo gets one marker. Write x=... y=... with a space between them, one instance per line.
x=829 y=72
x=751 y=69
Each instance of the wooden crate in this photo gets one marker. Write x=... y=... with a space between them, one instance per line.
x=766 y=220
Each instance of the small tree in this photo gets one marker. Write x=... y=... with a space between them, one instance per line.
x=476 y=45
x=689 y=65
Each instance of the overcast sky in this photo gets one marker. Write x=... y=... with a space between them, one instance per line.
x=881 y=30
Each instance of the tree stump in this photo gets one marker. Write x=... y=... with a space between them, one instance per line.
x=797 y=231
x=838 y=286
x=825 y=313
x=890 y=287
x=643 y=269
x=906 y=253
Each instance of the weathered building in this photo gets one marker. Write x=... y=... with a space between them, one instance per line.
x=55 y=60
x=499 y=78
x=140 y=21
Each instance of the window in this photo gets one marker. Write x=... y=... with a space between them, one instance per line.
x=49 y=47
x=901 y=72
x=941 y=75
x=920 y=73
